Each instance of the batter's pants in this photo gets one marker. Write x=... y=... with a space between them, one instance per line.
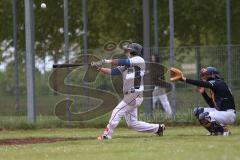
x=128 y=108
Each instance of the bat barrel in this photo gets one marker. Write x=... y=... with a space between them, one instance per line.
x=66 y=65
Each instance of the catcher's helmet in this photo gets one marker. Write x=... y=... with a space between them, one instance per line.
x=212 y=70
x=209 y=71
x=134 y=48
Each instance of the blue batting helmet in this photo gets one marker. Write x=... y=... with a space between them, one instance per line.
x=134 y=48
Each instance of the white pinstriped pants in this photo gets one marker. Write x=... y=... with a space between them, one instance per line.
x=159 y=94
x=128 y=109
x=223 y=117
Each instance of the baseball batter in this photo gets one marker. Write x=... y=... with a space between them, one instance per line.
x=221 y=110
x=132 y=70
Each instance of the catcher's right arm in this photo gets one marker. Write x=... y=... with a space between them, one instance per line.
x=176 y=75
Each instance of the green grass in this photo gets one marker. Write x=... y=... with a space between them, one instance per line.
x=178 y=144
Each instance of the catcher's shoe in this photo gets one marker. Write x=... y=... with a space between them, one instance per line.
x=104 y=137
x=161 y=130
x=226 y=132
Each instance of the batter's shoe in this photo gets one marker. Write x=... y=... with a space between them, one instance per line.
x=161 y=130
x=104 y=137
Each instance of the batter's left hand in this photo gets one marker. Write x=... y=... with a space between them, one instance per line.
x=97 y=64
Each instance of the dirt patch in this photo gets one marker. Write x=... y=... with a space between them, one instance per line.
x=21 y=141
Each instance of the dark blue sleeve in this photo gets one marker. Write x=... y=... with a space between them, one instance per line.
x=115 y=72
x=123 y=62
x=200 y=83
x=208 y=100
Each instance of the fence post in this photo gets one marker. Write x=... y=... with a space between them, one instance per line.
x=229 y=54
x=30 y=60
x=66 y=49
x=198 y=61
x=172 y=56
x=86 y=103
x=146 y=54
x=16 y=59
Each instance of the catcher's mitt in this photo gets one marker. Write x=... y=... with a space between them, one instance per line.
x=176 y=74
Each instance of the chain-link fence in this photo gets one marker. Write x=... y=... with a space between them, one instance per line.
x=188 y=59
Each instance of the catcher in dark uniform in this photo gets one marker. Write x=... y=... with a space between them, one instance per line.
x=221 y=107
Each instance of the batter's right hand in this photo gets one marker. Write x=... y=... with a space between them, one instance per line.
x=97 y=64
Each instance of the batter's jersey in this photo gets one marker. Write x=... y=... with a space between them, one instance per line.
x=133 y=75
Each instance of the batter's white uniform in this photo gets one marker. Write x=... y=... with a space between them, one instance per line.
x=160 y=95
x=133 y=97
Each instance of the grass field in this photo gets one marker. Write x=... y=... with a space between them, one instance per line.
x=180 y=143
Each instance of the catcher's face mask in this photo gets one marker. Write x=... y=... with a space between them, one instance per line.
x=204 y=74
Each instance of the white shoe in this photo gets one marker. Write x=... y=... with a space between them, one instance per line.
x=226 y=131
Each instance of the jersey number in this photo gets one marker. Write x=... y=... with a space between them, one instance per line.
x=137 y=77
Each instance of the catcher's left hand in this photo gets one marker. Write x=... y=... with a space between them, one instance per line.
x=176 y=75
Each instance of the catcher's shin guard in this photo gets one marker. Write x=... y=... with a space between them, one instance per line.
x=205 y=121
x=213 y=127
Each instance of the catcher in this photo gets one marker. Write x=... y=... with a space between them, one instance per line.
x=221 y=110
x=132 y=70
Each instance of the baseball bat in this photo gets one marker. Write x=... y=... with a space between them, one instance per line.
x=66 y=65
